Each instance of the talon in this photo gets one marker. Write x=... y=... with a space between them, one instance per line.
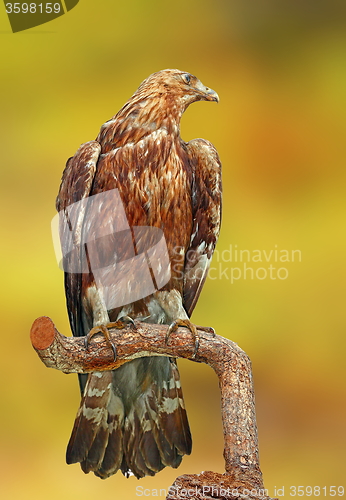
x=121 y=323
x=127 y=320
x=103 y=329
x=187 y=324
x=114 y=349
x=207 y=329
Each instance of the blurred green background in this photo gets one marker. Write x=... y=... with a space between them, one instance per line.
x=279 y=68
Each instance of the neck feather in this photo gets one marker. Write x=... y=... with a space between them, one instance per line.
x=139 y=117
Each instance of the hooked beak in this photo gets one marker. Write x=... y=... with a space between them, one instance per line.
x=211 y=95
x=206 y=93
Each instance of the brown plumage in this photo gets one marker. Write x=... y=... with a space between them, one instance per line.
x=134 y=418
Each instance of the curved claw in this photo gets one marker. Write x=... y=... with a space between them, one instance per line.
x=103 y=329
x=196 y=347
x=121 y=323
x=114 y=349
x=207 y=329
x=127 y=320
x=187 y=324
x=172 y=328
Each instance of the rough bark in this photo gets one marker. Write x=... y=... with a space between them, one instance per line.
x=231 y=364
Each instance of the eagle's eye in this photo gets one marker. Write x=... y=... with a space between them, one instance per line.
x=187 y=78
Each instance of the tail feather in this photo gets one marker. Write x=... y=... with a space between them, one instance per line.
x=91 y=416
x=96 y=453
x=141 y=455
x=173 y=415
x=150 y=451
x=131 y=419
x=113 y=454
x=171 y=447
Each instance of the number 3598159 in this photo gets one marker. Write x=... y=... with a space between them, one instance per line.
x=33 y=8
x=317 y=491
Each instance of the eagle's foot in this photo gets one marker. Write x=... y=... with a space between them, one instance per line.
x=173 y=327
x=103 y=329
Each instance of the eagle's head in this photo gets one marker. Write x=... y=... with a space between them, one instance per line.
x=159 y=102
x=179 y=87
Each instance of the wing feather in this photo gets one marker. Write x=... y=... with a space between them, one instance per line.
x=76 y=184
x=206 y=208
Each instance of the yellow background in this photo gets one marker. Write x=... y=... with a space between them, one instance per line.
x=279 y=68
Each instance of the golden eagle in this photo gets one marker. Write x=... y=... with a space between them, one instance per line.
x=167 y=195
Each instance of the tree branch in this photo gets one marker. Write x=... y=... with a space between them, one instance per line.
x=231 y=364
